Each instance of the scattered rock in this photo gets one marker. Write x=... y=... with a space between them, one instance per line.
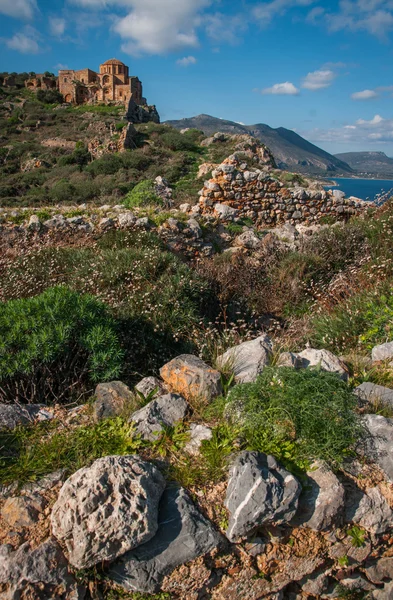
x=260 y=492
x=247 y=360
x=225 y=212
x=183 y=535
x=23 y=511
x=56 y=222
x=34 y=223
x=106 y=223
x=12 y=415
x=289 y=359
x=370 y=510
x=357 y=583
x=198 y=433
x=39 y=573
x=194 y=228
x=325 y=359
x=143 y=223
x=378 y=444
x=112 y=399
x=148 y=384
x=126 y=220
x=163 y=411
x=386 y=593
x=107 y=509
x=368 y=393
x=189 y=376
x=380 y=571
x=185 y=208
x=382 y=352
x=248 y=240
x=322 y=502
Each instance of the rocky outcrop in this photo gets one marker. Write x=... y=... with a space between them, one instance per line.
x=247 y=360
x=183 y=535
x=259 y=195
x=325 y=360
x=370 y=393
x=378 y=443
x=189 y=376
x=142 y=114
x=23 y=511
x=370 y=510
x=13 y=415
x=260 y=492
x=382 y=352
x=111 y=399
x=107 y=509
x=198 y=434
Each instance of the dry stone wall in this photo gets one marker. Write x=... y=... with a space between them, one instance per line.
x=258 y=195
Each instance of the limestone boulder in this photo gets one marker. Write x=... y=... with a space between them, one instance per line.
x=126 y=219
x=183 y=535
x=370 y=510
x=198 y=434
x=23 y=511
x=382 y=352
x=163 y=411
x=289 y=359
x=321 y=504
x=324 y=359
x=225 y=212
x=37 y=573
x=247 y=360
x=378 y=443
x=368 y=393
x=248 y=240
x=13 y=415
x=260 y=492
x=189 y=376
x=380 y=570
x=147 y=385
x=107 y=509
x=111 y=399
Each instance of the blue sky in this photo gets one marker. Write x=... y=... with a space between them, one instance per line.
x=320 y=67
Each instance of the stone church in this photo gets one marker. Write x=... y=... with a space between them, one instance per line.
x=112 y=84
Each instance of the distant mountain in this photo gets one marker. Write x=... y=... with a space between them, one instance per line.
x=290 y=150
x=369 y=163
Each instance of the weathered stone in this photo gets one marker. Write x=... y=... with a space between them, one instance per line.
x=260 y=491
x=322 y=502
x=111 y=399
x=163 y=411
x=194 y=228
x=386 y=593
x=247 y=360
x=191 y=377
x=370 y=510
x=22 y=511
x=39 y=573
x=380 y=571
x=183 y=535
x=143 y=223
x=225 y=212
x=127 y=219
x=55 y=222
x=198 y=434
x=149 y=384
x=248 y=240
x=106 y=223
x=324 y=359
x=338 y=194
x=12 y=415
x=34 y=223
x=289 y=359
x=185 y=208
x=378 y=443
x=315 y=583
x=382 y=352
x=107 y=509
x=368 y=393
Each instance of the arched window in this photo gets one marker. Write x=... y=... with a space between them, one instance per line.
x=65 y=79
x=83 y=81
x=105 y=79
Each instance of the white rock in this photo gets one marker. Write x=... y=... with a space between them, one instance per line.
x=325 y=359
x=247 y=360
x=107 y=509
x=198 y=433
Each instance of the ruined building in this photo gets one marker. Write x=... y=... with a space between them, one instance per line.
x=112 y=84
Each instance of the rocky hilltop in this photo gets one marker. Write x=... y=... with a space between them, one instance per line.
x=196 y=380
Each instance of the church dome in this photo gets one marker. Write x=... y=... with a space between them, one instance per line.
x=114 y=61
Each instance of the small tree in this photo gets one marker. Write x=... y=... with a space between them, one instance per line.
x=143 y=194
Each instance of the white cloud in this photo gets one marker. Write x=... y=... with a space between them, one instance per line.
x=363 y=133
x=373 y=16
x=186 y=61
x=20 y=9
x=60 y=67
x=267 y=11
x=282 y=89
x=57 y=26
x=225 y=28
x=25 y=42
x=155 y=26
x=319 y=80
x=364 y=95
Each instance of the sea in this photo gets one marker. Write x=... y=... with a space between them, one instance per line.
x=365 y=189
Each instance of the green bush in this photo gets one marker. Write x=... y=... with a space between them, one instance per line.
x=143 y=194
x=50 y=97
x=53 y=342
x=297 y=416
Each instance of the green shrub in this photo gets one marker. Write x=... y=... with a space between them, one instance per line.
x=297 y=416
x=53 y=342
x=361 y=322
x=176 y=141
x=143 y=194
x=50 y=97
x=27 y=454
